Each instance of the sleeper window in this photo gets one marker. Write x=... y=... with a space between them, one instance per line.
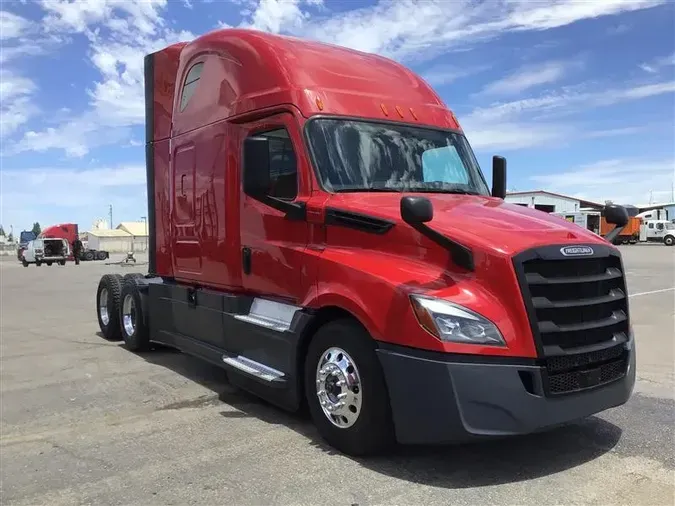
x=191 y=82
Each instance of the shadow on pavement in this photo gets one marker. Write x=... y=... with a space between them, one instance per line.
x=460 y=466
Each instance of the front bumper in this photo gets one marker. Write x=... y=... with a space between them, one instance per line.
x=439 y=398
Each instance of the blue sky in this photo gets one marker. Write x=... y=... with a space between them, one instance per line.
x=579 y=95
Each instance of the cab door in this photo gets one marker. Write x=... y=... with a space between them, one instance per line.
x=272 y=245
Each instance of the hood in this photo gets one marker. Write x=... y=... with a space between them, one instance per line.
x=486 y=223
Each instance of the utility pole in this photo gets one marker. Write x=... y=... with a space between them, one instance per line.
x=110 y=211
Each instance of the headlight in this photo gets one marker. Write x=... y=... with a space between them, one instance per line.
x=454 y=323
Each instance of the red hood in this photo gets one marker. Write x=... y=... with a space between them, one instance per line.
x=484 y=222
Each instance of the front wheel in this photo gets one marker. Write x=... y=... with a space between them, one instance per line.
x=346 y=391
x=669 y=240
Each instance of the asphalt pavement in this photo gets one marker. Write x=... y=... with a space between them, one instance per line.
x=84 y=421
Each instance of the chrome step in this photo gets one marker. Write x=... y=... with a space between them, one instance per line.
x=253 y=368
x=270 y=314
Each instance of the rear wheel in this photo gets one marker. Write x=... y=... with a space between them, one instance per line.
x=133 y=322
x=62 y=262
x=108 y=306
x=135 y=275
x=89 y=255
x=49 y=264
x=101 y=255
x=24 y=263
x=38 y=263
x=346 y=391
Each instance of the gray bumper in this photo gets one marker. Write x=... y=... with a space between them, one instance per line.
x=438 y=398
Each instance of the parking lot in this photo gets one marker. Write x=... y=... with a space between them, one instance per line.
x=85 y=421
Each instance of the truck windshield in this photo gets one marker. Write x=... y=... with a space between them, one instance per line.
x=361 y=156
x=26 y=236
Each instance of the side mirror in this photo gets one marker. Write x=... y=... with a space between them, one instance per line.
x=416 y=210
x=615 y=214
x=498 y=177
x=256 y=166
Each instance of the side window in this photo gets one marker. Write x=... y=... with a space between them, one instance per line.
x=190 y=85
x=651 y=225
x=659 y=226
x=283 y=164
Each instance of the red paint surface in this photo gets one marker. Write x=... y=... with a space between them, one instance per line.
x=254 y=81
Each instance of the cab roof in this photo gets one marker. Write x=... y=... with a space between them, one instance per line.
x=255 y=70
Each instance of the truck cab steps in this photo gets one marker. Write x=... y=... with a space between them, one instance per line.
x=255 y=369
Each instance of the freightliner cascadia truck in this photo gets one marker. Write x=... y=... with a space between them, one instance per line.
x=320 y=228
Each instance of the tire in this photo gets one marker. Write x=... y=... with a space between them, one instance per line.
x=49 y=264
x=133 y=322
x=62 y=262
x=38 y=264
x=109 y=320
x=669 y=240
x=135 y=275
x=101 y=255
x=89 y=255
x=372 y=431
x=24 y=263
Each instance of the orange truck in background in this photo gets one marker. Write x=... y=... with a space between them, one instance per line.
x=629 y=235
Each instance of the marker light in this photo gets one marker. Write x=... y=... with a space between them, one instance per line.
x=454 y=323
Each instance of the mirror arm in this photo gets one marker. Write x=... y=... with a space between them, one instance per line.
x=461 y=255
x=296 y=211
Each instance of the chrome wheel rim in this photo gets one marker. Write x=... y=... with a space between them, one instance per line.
x=103 y=307
x=338 y=387
x=129 y=314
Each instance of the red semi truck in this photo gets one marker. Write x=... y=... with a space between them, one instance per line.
x=70 y=231
x=320 y=227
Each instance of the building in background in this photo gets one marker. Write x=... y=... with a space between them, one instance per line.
x=138 y=230
x=113 y=241
x=551 y=202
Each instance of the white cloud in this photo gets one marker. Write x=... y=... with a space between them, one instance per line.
x=570 y=99
x=529 y=76
x=16 y=104
x=120 y=33
x=628 y=181
x=142 y=17
x=529 y=122
x=88 y=193
x=406 y=28
x=657 y=64
x=439 y=75
x=11 y=25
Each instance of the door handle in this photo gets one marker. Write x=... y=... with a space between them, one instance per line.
x=182 y=180
x=246 y=259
